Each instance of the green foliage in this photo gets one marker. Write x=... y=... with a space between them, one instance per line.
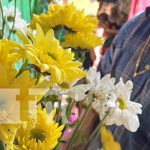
x=2 y=146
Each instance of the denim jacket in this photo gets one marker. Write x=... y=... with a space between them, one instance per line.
x=120 y=61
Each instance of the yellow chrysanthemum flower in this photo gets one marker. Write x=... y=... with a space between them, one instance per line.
x=8 y=109
x=67 y=16
x=7 y=135
x=40 y=134
x=7 y=131
x=19 y=86
x=5 y=47
x=81 y=40
x=49 y=57
x=108 y=140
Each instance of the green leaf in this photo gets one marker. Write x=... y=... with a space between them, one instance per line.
x=2 y=146
x=24 y=67
x=79 y=54
x=53 y=98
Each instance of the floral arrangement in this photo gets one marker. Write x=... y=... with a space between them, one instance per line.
x=42 y=79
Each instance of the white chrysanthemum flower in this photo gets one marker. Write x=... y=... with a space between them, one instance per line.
x=122 y=111
x=9 y=17
x=9 y=12
x=20 y=24
x=105 y=86
x=76 y=92
x=94 y=88
x=93 y=77
x=81 y=91
x=101 y=87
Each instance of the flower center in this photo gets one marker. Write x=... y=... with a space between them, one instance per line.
x=121 y=103
x=10 y=18
x=38 y=134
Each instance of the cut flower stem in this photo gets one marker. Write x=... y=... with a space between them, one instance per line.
x=98 y=127
x=75 y=133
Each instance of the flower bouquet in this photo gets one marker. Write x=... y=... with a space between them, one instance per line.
x=46 y=96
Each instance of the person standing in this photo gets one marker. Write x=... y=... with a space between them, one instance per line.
x=129 y=58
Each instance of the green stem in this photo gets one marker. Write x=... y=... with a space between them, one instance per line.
x=3 y=20
x=71 y=103
x=75 y=133
x=35 y=6
x=30 y=8
x=58 y=112
x=98 y=127
x=15 y=4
